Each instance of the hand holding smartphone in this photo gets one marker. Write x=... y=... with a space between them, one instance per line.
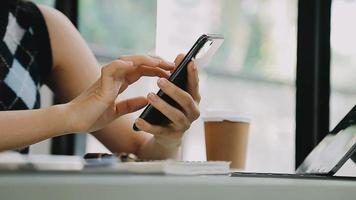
x=201 y=52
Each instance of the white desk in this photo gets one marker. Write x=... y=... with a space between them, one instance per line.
x=38 y=186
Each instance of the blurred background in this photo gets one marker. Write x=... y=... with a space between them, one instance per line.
x=253 y=73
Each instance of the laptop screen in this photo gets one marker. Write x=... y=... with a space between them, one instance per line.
x=331 y=153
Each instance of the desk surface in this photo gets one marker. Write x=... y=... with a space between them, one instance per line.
x=111 y=186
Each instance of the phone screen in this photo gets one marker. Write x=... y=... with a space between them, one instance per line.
x=201 y=52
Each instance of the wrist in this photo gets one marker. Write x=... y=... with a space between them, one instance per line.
x=168 y=143
x=65 y=114
x=59 y=119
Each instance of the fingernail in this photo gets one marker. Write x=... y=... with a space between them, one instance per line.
x=162 y=81
x=152 y=97
x=172 y=64
x=130 y=63
x=194 y=67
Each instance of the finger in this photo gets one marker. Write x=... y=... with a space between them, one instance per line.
x=149 y=128
x=166 y=132
x=193 y=81
x=130 y=105
x=116 y=68
x=110 y=74
x=152 y=71
x=148 y=61
x=158 y=57
x=179 y=59
x=173 y=114
x=144 y=70
x=183 y=98
x=165 y=62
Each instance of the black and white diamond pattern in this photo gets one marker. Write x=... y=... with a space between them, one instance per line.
x=19 y=80
x=14 y=33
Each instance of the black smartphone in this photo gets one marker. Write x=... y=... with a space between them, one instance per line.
x=202 y=51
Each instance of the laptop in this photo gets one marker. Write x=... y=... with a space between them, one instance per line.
x=327 y=157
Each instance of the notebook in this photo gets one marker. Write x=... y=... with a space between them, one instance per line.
x=15 y=161
x=10 y=160
x=173 y=167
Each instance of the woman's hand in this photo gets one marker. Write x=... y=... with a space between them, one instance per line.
x=180 y=119
x=99 y=105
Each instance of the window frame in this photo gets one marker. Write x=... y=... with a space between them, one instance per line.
x=313 y=75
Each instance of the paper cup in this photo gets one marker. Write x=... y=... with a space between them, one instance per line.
x=226 y=137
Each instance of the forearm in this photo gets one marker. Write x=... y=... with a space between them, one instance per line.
x=22 y=128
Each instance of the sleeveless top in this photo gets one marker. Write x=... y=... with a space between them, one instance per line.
x=25 y=55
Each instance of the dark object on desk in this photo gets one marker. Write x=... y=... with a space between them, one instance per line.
x=122 y=157
x=291 y=176
x=328 y=156
x=128 y=157
x=97 y=155
x=201 y=52
x=94 y=160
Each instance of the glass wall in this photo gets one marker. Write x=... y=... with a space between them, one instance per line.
x=343 y=65
x=45 y=2
x=343 y=58
x=118 y=27
x=252 y=75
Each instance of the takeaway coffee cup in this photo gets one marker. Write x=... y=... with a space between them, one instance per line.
x=226 y=137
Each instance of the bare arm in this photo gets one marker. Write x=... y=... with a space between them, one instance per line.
x=21 y=128
x=95 y=107
x=75 y=69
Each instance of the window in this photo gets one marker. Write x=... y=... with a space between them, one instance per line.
x=253 y=73
x=118 y=27
x=343 y=59
x=343 y=65
x=45 y=2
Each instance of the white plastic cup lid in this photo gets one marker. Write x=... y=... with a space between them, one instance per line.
x=219 y=116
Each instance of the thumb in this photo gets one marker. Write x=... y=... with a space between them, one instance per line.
x=130 y=105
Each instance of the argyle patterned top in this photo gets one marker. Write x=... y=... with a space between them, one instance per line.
x=25 y=55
